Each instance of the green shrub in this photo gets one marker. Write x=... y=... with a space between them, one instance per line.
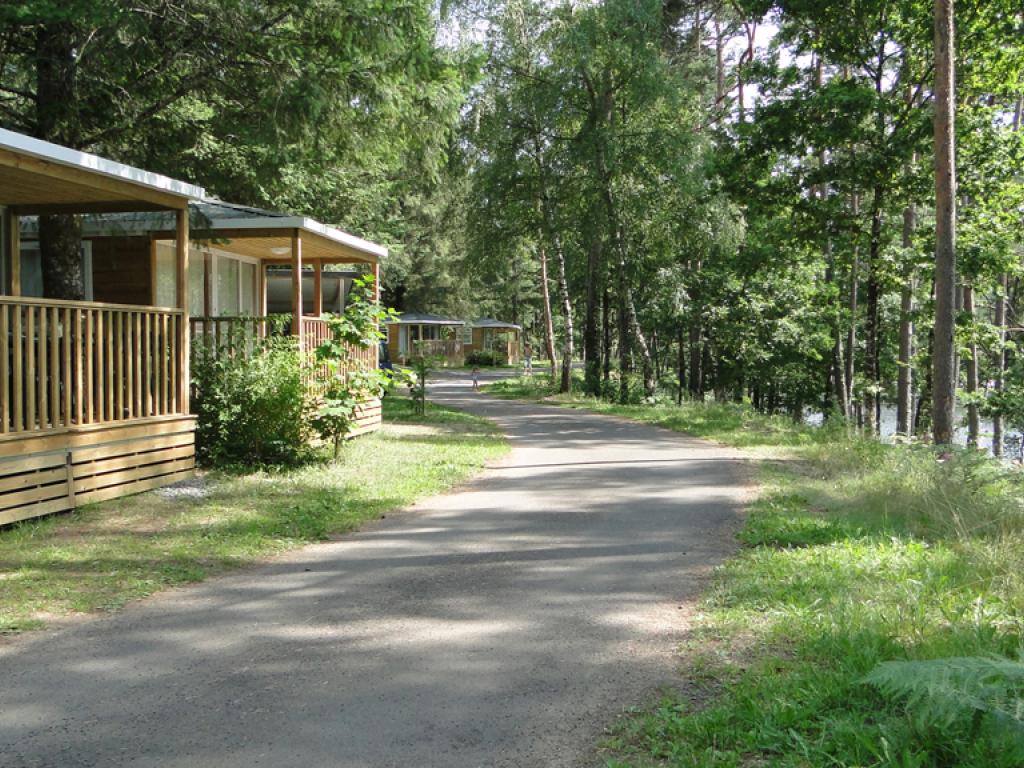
x=250 y=408
x=345 y=387
x=486 y=357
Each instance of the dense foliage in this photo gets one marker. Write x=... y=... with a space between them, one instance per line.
x=727 y=198
x=252 y=408
x=737 y=200
x=335 y=109
x=344 y=384
x=262 y=401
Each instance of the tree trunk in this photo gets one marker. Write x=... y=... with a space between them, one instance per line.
x=696 y=382
x=705 y=366
x=973 y=418
x=591 y=330
x=872 y=373
x=904 y=382
x=555 y=238
x=851 y=333
x=681 y=363
x=606 y=338
x=999 y=361
x=60 y=252
x=60 y=236
x=839 y=375
x=568 y=341
x=549 y=325
x=922 y=415
x=944 y=354
x=625 y=356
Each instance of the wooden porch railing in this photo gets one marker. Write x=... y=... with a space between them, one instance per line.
x=237 y=335
x=234 y=334
x=314 y=332
x=68 y=363
x=450 y=349
x=442 y=347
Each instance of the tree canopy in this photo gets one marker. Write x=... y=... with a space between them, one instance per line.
x=700 y=198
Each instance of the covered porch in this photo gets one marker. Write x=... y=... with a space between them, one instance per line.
x=501 y=338
x=236 y=253
x=94 y=395
x=413 y=334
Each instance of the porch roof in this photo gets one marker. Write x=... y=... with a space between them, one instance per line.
x=248 y=231
x=422 y=318
x=488 y=322
x=39 y=177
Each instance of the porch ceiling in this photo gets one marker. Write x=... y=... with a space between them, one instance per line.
x=273 y=247
x=39 y=177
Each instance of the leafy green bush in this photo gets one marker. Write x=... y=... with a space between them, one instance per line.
x=486 y=357
x=417 y=380
x=345 y=387
x=251 y=408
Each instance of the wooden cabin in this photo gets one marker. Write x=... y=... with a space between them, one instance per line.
x=489 y=335
x=414 y=333
x=236 y=254
x=94 y=395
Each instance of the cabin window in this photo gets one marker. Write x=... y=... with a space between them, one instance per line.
x=166 y=281
x=227 y=286
x=233 y=283
x=196 y=283
x=247 y=288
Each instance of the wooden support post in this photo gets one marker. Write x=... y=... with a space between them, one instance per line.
x=318 y=295
x=152 y=272
x=297 y=286
x=261 y=293
x=12 y=229
x=207 y=288
x=376 y=300
x=181 y=295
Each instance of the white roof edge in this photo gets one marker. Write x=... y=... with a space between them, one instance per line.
x=400 y=321
x=358 y=243
x=55 y=153
x=498 y=324
x=310 y=225
x=149 y=223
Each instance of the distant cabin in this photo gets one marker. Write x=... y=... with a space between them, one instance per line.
x=490 y=335
x=416 y=333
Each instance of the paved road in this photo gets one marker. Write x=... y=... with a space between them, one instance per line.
x=502 y=625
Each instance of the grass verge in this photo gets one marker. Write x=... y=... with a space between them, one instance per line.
x=100 y=557
x=858 y=560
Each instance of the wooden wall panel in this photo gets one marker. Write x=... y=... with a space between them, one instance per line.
x=122 y=272
x=368 y=418
x=56 y=472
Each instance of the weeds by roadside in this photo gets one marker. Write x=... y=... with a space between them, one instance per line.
x=101 y=557
x=856 y=555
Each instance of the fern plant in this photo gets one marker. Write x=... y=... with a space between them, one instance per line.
x=983 y=695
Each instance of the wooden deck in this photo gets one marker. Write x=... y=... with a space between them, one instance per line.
x=91 y=403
